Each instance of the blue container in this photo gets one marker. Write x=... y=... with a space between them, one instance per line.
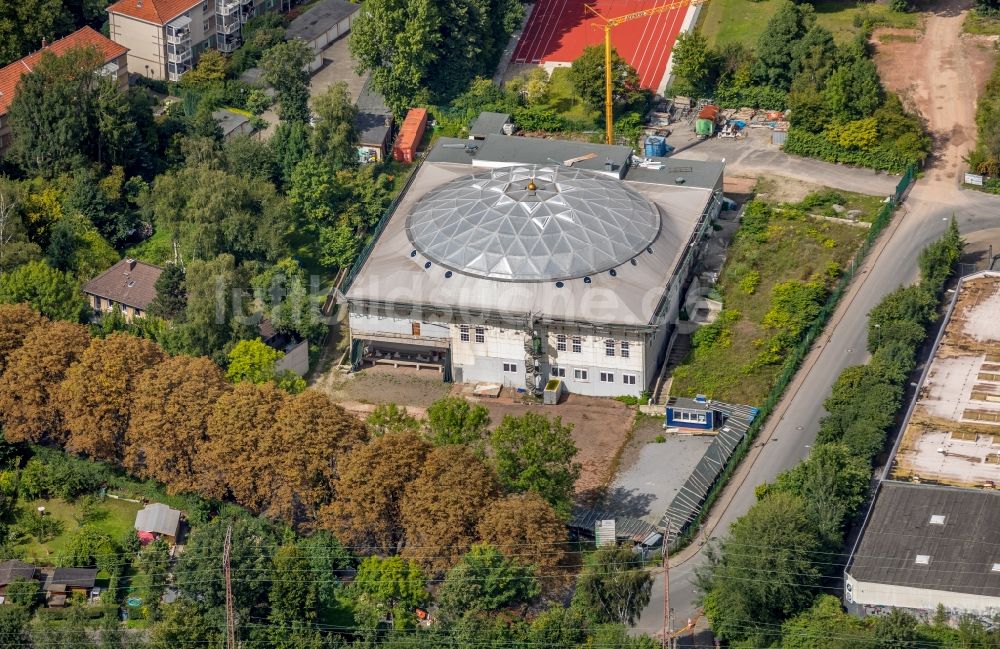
x=656 y=146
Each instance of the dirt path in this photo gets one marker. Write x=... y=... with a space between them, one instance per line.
x=940 y=74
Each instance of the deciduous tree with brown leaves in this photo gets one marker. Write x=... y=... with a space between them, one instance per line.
x=97 y=394
x=310 y=435
x=527 y=529
x=31 y=380
x=16 y=320
x=234 y=461
x=442 y=507
x=366 y=510
x=174 y=400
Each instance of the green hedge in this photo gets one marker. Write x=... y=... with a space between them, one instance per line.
x=816 y=145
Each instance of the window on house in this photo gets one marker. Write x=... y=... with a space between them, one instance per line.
x=625 y=349
x=480 y=334
x=607 y=377
x=996 y=567
x=937 y=519
x=97 y=303
x=463 y=333
x=628 y=379
x=559 y=372
x=922 y=559
x=580 y=375
x=609 y=348
x=510 y=368
x=701 y=418
x=561 y=343
x=577 y=345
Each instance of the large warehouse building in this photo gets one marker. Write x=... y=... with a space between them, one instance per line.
x=514 y=259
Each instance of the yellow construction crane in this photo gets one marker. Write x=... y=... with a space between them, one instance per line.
x=608 y=25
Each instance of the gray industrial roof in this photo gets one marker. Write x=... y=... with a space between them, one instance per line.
x=159 y=519
x=488 y=123
x=963 y=555
x=532 y=223
x=319 y=19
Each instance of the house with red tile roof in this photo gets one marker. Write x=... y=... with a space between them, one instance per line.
x=115 y=64
x=165 y=37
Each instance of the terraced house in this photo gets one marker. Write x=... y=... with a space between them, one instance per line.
x=165 y=37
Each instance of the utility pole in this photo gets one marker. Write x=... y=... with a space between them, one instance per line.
x=230 y=616
x=668 y=627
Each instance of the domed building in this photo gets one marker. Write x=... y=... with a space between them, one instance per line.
x=514 y=260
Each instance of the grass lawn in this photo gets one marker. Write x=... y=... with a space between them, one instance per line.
x=564 y=100
x=154 y=250
x=743 y=21
x=975 y=23
x=118 y=518
x=796 y=247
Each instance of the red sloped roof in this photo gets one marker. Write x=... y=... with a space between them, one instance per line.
x=159 y=12
x=11 y=74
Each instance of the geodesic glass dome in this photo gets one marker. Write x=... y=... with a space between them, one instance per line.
x=532 y=224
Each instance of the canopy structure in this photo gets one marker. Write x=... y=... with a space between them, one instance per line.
x=532 y=223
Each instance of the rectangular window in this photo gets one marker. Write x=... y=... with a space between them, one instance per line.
x=580 y=375
x=628 y=379
x=701 y=418
x=561 y=343
x=415 y=328
x=480 y=334
x=625 y=349
x=937 y=519
x=577 y=345
x=97 y=303
x=559 y=372
x=607 y=377
x=609 y=348
x=463 y=333
x=922 y=559
x=205 y=26
x=510 y=368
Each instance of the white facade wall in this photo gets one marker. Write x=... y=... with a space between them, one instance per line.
x=872 y=594
x=146 y=42
x=323 y=41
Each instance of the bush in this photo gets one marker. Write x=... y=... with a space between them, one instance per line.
x=51 y=474
x=883 y=156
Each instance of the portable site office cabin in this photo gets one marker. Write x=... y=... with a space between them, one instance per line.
x=707 y=119
x=410 y=135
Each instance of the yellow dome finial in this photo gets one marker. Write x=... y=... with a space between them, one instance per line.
x=531 y=185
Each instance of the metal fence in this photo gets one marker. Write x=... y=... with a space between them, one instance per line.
x=800 y=351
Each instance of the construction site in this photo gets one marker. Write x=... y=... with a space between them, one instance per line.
x=953 y=434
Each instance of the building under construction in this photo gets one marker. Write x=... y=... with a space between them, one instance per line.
x=513 y=260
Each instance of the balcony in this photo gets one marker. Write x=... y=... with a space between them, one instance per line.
x=225 y=29
x=182 y=37
x=179 y=56
x=227 y=7
x=228 y=44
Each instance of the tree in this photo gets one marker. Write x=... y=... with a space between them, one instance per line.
x=334 y=138
x=209 y=309
x=290 y=146
x=613 y=585
x=24 y=593
x=390 y=418
x=824 y=625
x=389 y=588
x=317 y=194
x=288 y=300
x=485 y=581
x=247 y=156
x=854 y=91
x=210 y=71
x=776 y=538
x=16 y=320
x=253 y=361
x=453 y=420
x=23 y=25
x=233 y=461
x=28 y=402
x=897 y=630
x=284 y=69
x=14 y=627
x=171 y=295
x=776 y=46
x=154 y=564
x=52 y=293
x=527 y=529
x=183 y=622
x=535 y=453
x=293 y=594
x=96 y=395
x=441 y=507
x=311 y=434
x=695 y=64
x=588 y=76
x=90 y=546
x=176 y=398
x=51 y=114
x=366 y=510
x=15 y=246
x=77 y=248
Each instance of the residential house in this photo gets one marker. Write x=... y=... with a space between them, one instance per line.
x=114 y=56
x=12 y=570
x=166 y=36
x=157 y=520
x=61 y=583
x=130 y=285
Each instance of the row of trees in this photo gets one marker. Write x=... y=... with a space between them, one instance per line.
x=839 y=110
x=769 y=571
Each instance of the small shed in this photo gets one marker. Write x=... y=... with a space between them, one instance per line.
x=490 y=124
x=12 y=570
x=320 y=25
x=697 y=413
x=374 y=124
x=158 y=519
x=62 y=582
x=232 y=123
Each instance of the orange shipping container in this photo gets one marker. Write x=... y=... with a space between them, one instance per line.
x=410 y=135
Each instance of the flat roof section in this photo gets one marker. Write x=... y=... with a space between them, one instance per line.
x=932 y=537
x=319 y=19
x=953 y=435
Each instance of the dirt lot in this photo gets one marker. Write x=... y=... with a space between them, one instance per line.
x=361 y=391
x=931 y=72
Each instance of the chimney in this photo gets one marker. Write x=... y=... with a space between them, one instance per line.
x=130 y=263
x=138 y=4
x=45 y=42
